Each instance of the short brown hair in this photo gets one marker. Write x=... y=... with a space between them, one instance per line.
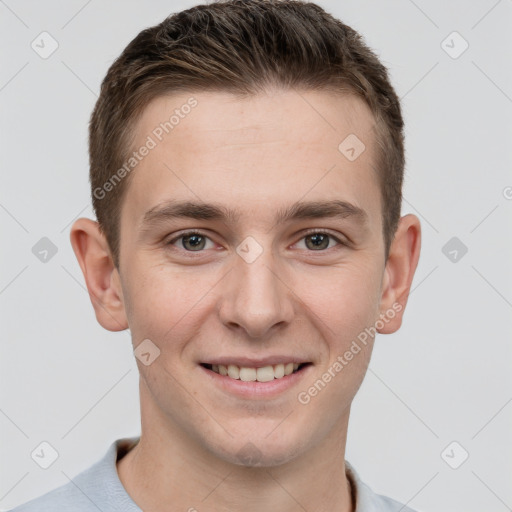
x=241 y=46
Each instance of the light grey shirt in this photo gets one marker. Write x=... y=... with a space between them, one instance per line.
x=98 y=488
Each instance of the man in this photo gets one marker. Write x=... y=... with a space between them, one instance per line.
x=246 y=165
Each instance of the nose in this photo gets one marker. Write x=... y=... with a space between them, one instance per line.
x=255 y=297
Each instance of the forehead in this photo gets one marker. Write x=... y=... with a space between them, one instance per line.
x=307 y=117
x=255 y=151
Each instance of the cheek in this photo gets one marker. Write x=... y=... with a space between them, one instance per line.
x=344 y=299
x=346 y=310
x=163 y=302
x=166 y=303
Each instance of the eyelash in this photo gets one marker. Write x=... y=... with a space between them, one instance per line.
x=307 y=233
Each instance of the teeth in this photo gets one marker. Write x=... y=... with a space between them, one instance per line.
x=233 y=371
x=279 y=371
x=248 y=374
x=263 y=374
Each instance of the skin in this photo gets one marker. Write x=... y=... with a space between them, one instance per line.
x=258 y=155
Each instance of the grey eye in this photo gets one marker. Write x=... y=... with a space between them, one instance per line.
x=196 y=242
x=318 y=241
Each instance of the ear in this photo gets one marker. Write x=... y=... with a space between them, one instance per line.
x=101 y=276
x=402 y=261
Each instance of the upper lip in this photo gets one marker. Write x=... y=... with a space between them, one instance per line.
x=248 y=362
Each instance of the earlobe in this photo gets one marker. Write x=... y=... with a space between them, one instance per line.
x=401 y=265
x=93 y=255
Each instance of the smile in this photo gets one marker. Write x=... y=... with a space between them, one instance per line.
x=261 y=374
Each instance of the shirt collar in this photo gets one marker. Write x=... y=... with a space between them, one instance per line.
x=363 y=498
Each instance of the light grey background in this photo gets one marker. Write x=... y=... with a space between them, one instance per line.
x=444 y=377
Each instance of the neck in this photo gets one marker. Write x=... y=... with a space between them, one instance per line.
x=167 y=470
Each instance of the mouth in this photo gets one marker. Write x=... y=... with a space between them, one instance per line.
x=262 y=374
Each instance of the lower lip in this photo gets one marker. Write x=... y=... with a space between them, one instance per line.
x=257 y=389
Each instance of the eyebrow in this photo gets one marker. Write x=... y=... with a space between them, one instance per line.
x=174 y=209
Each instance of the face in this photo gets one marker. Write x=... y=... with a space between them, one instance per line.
x=249 y=240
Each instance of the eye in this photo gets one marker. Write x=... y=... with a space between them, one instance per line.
x=317 y=240
x=192 y=241
x=195 y=241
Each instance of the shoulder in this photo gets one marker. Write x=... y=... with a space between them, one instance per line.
x=65 y=497
x=368 y=501
x=386 y=504
x=96 y=488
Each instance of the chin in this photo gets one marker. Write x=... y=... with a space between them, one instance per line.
x=258 y=453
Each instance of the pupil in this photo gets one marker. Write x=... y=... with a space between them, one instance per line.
x=198 y=239
x=319 y=239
